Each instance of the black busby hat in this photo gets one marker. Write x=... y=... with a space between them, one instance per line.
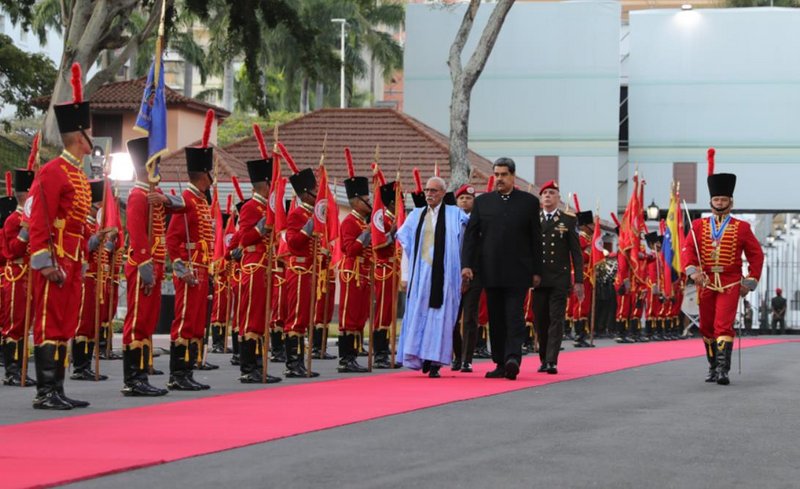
x=139 y=151
x=356 y=187
x=260 y=170
x=653 y=238
x=7 y=207
x=201 y=159
x=584 y=218
x=449 y=198
x=23 y=179
x=302 y=180
x=419 y=199
x=719 y=184
x=97 y=190
x=75 y=115
x=388 y=193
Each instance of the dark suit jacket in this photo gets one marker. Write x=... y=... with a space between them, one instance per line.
x=561 y=251
x=503 y=240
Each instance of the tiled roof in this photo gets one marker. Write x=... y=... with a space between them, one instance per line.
x=127 y=96
x=404 y=143
x=173 y=165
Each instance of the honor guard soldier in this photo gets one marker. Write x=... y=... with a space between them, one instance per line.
x=15 y=273
x=386 y=260
x=656 y=300
x=190 y=241
x=144 y=271
x=235 y=251
x=712 y=253
x=625 y=297
x=300 y=290
x=355 y=270
x=278 y=353
x=83 y=343
x=60 y=199
x=583 y=308
x=323 y=313
x=255 y=240
x=221 y=297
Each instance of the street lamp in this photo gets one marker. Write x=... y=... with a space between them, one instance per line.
x=343 y=23
x=653 y=211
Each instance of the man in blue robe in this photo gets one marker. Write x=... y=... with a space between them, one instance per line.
x=431 y=239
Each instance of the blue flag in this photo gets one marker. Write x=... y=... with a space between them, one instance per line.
x=152 y=120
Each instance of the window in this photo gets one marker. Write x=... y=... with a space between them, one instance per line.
x=686 y=174
x=545 y=169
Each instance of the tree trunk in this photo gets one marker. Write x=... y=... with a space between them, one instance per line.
x=93 y=26
x=459 y=136
x=188 y=79
x=304 y=95
x=319 y=96
x=464 y=79
x=227 y=87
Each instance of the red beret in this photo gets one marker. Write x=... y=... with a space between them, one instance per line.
x=551 y=184
x=465 y=189
x=778 y=291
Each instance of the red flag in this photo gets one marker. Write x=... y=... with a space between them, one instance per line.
x=111 y=217
x=276 y=204
x=377 y=224
x=321 y=208
x=597 y=244
x=219 y=232
x=275 y=181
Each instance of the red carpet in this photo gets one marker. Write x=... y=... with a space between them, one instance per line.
x=44 y=453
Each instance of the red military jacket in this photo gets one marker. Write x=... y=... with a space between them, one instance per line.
x=141 y=249
x=200 y=246
x=15 y=248
x=721 y=258
x=60 y=199
x=585 y=241
x=254 y=244
x=357 y=257
x=297 y=240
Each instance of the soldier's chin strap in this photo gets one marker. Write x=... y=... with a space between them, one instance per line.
x=87 y=138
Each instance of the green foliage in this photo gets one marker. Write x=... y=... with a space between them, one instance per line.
x=240 y=125
x=23 y=76
x=19 y=11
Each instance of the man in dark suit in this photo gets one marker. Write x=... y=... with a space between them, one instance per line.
x=562 y=254
x=503 y=240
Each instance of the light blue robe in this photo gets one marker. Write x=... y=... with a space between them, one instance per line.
x=427 y=333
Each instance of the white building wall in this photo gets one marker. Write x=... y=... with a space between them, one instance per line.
x=726 y=78
x=550 y=87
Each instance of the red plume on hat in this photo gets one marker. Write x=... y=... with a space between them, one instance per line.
x=348 y=158
x=711 y=153
x=417 y=180
x=575 y=201
x=229 y=204
x=237 y=188
x=9 y=191
x=207 y=128
x=490 y=184
x=77 y=85
x=34 y=152
x=288 y=158
x=262 y=146
x=616 y=221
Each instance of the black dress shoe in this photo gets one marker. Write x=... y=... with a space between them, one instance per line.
x=75 y=403
x=139 y=388
x=498 y=373
x=207 y=366
x=181 y=383
x=512 y=369
x=466 y=368
x=542 y=368
x=235 y=359
x=434 y=373
x=456 y=365
x=255 y=377
x=351 y=367
x=52 y=401
x=426 y=366
x=551 y=369
x=86 y=374
x=155 y=371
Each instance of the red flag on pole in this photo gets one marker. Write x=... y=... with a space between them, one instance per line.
x=378 y=219
x=111 y=212
x=597 y=244
x=219 y=232
x=276 y=204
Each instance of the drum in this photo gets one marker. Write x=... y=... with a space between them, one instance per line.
x=690 y=307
